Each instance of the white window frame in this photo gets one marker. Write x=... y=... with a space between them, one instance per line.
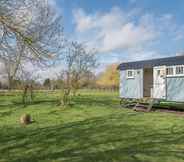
x=174 y=71
x=133 y=74
x=170 y=75
x=179 y=74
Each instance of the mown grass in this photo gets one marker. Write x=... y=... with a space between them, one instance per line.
x=94 y=129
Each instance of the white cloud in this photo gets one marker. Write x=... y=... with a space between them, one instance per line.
x=112 y=19
x=55 y=6
x=83 y=21
x=127 y=36
x=111 y=31
x=142 y=54
x=117 y=31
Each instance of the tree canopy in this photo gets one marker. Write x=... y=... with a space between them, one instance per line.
x=109 y=78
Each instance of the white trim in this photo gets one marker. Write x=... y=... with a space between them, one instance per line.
x=133 y=74
x=174 y=71
x=179 y=74
x=170 y=75
x=159 y=83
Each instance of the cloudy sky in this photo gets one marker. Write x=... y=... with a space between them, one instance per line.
x=125 y=30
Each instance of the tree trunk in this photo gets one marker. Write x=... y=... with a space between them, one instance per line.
x=10 y=83
x=24 y=96
x=31 y=91
x=65 y=100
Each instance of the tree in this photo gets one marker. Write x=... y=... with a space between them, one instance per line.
x=109 y=78
x=78 y=62
x=30 y=31
x=88 y=80
x=28 y=81
x=47 y=83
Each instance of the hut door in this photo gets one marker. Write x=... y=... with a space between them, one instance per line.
x=159 y=85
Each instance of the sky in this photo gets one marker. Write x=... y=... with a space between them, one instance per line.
x=125 y=30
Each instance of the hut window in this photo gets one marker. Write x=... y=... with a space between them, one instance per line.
x=179 y=70
x=169 y=71
x=130 y=73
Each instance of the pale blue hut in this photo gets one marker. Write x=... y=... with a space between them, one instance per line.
x=157 y=78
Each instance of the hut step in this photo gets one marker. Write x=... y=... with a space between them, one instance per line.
x=138 y=105
x=147 y=107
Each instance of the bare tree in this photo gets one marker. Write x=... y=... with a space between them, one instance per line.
x=30 y=31
x=28 y=80
x=78 y=61
x=47 y=84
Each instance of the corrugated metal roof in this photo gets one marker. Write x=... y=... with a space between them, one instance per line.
x=177 y=60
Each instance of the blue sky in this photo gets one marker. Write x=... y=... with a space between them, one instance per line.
x=124 y=30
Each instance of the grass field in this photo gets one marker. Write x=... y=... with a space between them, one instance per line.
x=94 y=129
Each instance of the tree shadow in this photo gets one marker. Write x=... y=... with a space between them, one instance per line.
x=8 y=108
x=107 y=101
x=13 y=104
x=107 y=138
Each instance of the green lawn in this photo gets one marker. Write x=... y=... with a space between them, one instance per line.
x=94 y=129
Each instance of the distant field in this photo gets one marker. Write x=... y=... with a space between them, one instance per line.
x=94 y=129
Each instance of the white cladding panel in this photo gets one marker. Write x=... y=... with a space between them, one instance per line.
x=159 y=82
x=131 y=87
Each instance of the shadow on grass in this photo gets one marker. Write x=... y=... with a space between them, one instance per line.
x=107 y=138
x=6 y=109
x=78 y=100
x=107 y=101
x=21 y=104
